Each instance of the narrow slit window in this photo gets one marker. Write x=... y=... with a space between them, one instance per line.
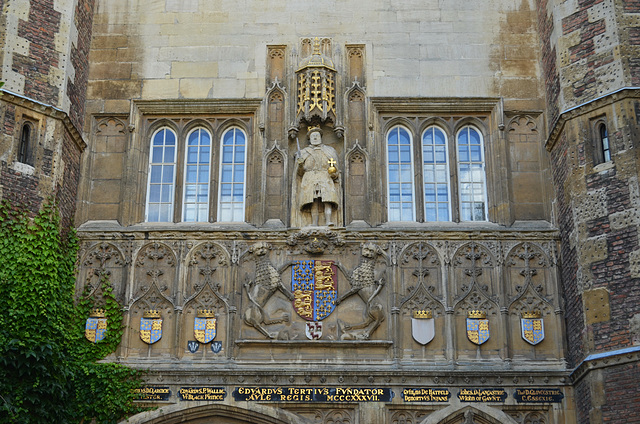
x=24 y=149
x=604 y=143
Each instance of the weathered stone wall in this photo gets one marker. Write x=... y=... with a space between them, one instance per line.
x=548 y=60
x=597 y=210
x=589 y=49
x=180 y=273
x=45 y=54
x=203 y=51
x=55 y=149
x=45 y=47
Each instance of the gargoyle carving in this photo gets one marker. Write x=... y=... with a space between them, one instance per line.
x=366 y=284
x=267 y=281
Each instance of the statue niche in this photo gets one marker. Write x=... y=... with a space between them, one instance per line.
x=316 y=188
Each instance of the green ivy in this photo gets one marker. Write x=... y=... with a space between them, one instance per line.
x=49 y=372
x=113 y=314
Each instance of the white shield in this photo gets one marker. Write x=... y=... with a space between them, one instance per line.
x=423 y=330
x=314 y=330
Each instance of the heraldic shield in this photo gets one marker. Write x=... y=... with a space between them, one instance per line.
x=151 y=327
x=477 y=327
x=532 y=327
x=96 y=327
x=315 y=288
x=422 y=327
x=204 y=326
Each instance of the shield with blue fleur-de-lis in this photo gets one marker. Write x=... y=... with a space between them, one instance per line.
x=150 y=328
x=532 y=328
x=314 y=284
x=204 y=328
x=477 y=330
x=96 y=327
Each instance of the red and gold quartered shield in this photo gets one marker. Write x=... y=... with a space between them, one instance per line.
x=314 y=284
x=477 y=327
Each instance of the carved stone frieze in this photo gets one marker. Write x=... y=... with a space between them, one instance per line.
x=203 y=263
x=155 y=264
x=315 y=241
x=103 y=262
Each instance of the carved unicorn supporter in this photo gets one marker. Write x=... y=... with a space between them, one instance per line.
x=267 y=281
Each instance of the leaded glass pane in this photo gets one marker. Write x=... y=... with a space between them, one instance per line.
x=471 y=175
x=400 y=171
x=232 y=176
x=161 y=182
x=196 y=185
x=435 y=175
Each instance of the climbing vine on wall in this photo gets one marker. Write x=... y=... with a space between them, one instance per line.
x=48 y=370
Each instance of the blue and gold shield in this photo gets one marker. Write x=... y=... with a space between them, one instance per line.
x=314 y=284
x=95 y=329
x=477 y=330
x=532 y=330
x=150 y=329
x=204 y=329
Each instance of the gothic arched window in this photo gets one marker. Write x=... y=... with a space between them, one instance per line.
x=162 y=167
x=231 y=197
x=400 y=189
x=195 y=202
x=452 y=181
x=471 y=175
x=435 y=171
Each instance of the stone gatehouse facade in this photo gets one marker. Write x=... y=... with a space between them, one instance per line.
x=358 y=212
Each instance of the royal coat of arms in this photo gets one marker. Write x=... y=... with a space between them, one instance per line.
x=477 y=327
x=204 y=326
x=422 y=327
x=532 y=327
x=96 y=327
x=314 y=285
x=150 y=327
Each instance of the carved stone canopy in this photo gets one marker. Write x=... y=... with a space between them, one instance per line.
x=316 y=81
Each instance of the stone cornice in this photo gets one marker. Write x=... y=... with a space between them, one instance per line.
x=196 y=106
x=47 y=110
x=588 y=107
x=113 y=231
x=605 y=360
x=434 y=104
